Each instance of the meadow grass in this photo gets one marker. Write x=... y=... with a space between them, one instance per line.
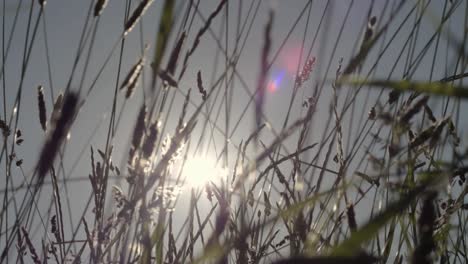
x=360 y=159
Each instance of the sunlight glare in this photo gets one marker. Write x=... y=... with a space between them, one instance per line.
x=198 y=171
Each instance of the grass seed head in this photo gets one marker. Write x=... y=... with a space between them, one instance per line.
x=150 y=141
x=5 y=128
x=172 y=63
x=42 y=107
x=136 y=15
x=32 y=249
x=99 y=7
x=138 y=133
x=412 y=111
x=201 y=89
x=57 y=135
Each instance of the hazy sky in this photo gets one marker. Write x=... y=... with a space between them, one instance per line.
x=297 y=28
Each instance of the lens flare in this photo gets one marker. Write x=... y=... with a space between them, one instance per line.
x=274 y=84
x=290 y=56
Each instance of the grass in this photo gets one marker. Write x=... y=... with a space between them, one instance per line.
x=357 y=156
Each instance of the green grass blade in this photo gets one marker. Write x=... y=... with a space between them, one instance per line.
x=352 y=245
x=435 y=88
x=162 y=37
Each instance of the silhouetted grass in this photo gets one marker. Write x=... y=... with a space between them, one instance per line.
x=356 y=157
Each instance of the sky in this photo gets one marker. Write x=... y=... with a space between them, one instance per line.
x=324 y=30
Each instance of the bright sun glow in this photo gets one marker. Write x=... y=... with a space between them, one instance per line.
x=199 y=171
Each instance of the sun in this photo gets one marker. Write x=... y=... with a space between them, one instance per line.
x=200 y=170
